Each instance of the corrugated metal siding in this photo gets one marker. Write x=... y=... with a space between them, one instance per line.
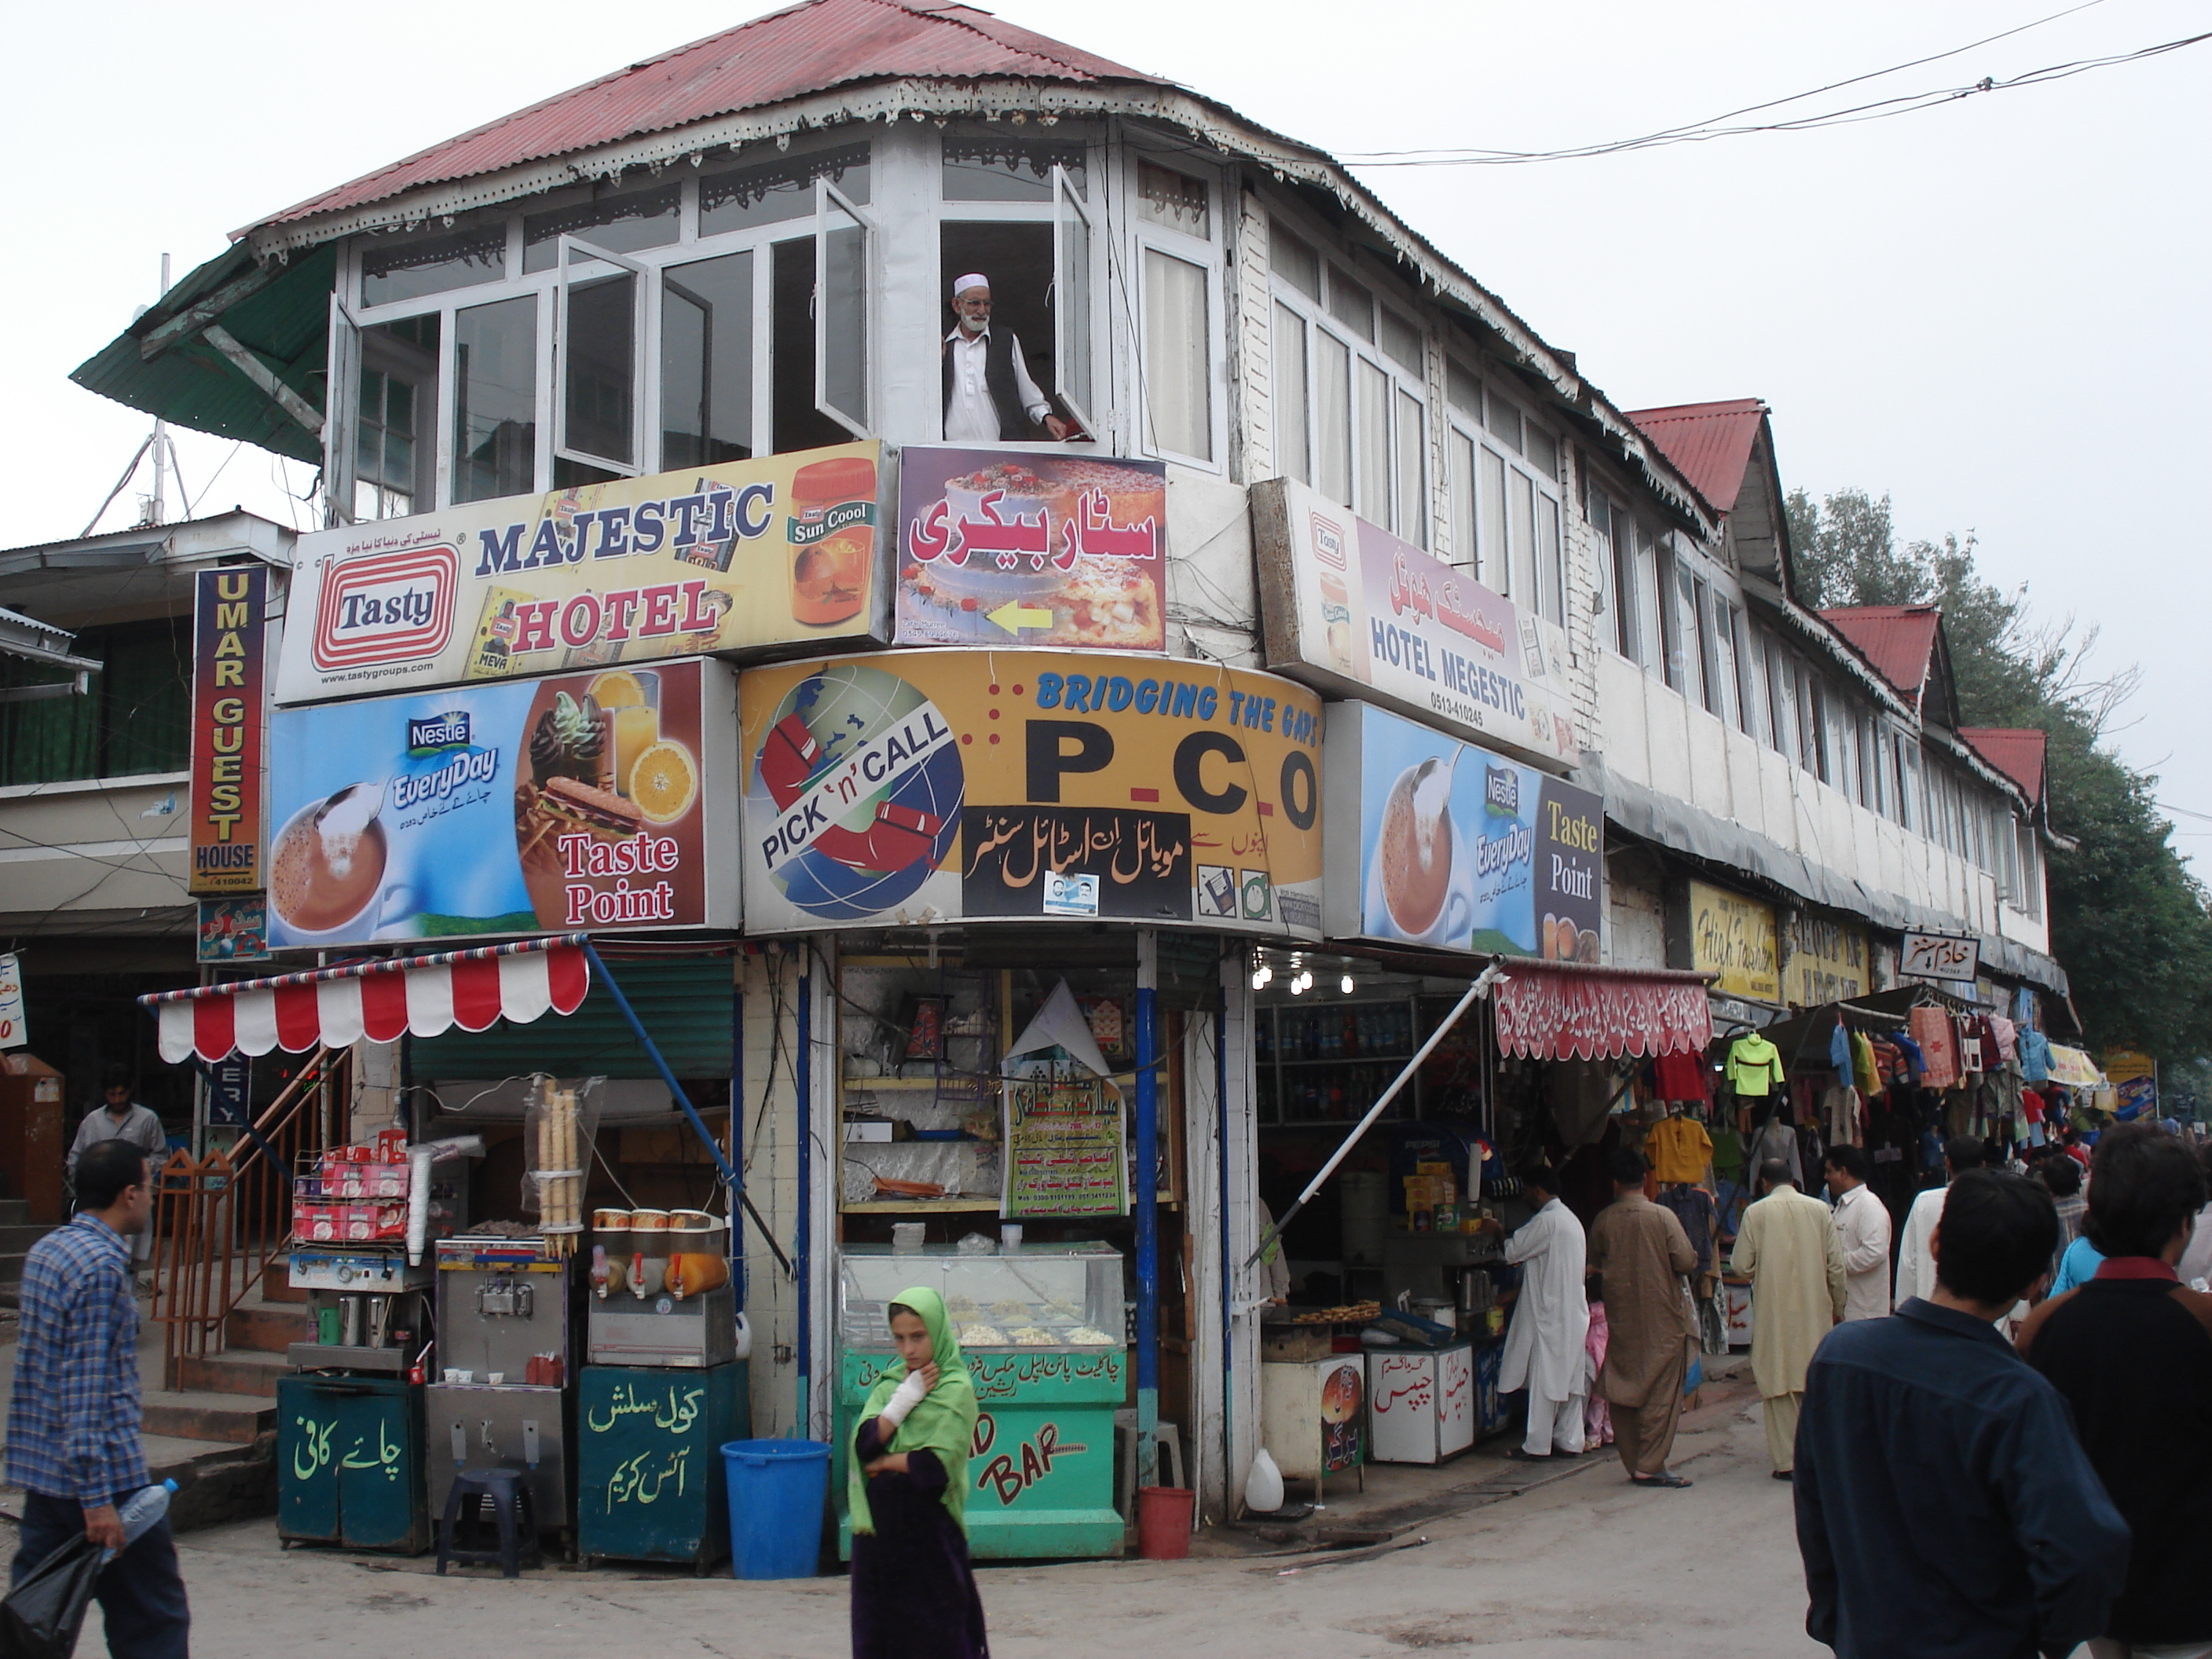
x=2016 y=752
x=1710 y=444
x=1896 y=639
x=686 y=1004
x=287 y=323
x=790 y=54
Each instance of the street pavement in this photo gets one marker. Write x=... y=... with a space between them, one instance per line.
x=1581 y=1564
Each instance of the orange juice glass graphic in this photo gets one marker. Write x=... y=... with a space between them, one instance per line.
x=631 y=698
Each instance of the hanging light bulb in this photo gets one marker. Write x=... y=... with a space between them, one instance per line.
x=1345 y=986
x=1296 y=985
x=1259 y=979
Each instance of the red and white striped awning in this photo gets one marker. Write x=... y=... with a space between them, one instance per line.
x=336 y=1007
x=1551 y=1010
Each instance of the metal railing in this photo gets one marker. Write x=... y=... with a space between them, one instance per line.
x=219 y=1219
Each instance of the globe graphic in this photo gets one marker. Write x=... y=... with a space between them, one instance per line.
x=906 y=823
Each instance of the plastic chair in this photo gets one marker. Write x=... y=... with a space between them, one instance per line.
x=1169 y=1438
x=465 y=1534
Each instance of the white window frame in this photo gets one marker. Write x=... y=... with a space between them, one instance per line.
x=1143 y=234
x=829 y=199
x=341 y=411
x=1066 y=347
x=565 y=276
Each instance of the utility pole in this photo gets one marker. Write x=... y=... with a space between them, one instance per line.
x=155 y=510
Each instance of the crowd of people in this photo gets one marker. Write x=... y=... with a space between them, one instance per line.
x=1998 y=1434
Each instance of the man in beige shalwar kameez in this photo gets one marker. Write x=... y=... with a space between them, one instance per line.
x=1641 y=1252
x=1788 y=1248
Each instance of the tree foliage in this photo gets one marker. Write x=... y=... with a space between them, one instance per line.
x=2128 y=922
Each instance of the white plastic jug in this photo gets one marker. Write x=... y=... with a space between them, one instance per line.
x=1263 y=1486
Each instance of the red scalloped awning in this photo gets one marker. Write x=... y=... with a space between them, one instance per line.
x=336 y=1007
x=1548 y=1012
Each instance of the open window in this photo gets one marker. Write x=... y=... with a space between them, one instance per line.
x=840 y=308
x=597 y=326
x=340 y=404
x=1071 y=298
x=707 y=361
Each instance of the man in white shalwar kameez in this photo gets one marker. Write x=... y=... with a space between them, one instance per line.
x=1545 y=1344
x=1862 y=1228
x=1788 y=1249
x=1916 y=1262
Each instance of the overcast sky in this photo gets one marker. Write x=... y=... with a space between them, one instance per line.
x=1994 y=311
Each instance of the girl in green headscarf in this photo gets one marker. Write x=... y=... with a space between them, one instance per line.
x=914 y=1591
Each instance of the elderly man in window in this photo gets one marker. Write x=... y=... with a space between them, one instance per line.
x=989 y=397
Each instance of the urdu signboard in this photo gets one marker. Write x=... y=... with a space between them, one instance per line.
x=776 y=552
x=925 y=787
x=1349 y=607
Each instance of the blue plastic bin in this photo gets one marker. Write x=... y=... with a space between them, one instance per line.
x=777 y=1491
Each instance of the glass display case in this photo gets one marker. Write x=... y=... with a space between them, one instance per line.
x=1043 y=1330
x=1041 y=1296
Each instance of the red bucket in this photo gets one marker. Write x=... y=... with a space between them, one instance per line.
x=1164 y=1522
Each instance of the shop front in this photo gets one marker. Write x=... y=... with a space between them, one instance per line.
x=1026 y=878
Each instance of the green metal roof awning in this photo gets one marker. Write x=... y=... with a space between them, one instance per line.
x=169 y=363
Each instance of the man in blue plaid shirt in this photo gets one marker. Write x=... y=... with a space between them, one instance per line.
x=73 y=1426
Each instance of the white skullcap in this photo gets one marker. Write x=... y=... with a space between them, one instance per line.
x=973 y=279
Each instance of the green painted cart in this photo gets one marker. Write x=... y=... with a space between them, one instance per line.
x=649 y=1482
x=1041 y=1475
x=350 y=1462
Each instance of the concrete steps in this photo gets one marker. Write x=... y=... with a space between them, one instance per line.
x=195 y=1415
x=251 y=1372
x=18 y=1232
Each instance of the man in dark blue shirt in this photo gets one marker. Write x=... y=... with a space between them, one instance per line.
x=1944 y=1505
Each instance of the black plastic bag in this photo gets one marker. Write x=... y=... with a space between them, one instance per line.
x=41 y=1616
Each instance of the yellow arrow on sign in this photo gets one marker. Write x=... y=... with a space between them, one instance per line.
x=1013 y=615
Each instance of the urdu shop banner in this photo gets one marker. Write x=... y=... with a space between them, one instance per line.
x=922 y=787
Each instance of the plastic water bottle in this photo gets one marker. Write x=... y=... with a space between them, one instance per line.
x=146 y=1506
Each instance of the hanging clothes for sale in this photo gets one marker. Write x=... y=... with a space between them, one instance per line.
x=1682 y=1077
x=1839 y=1050
x=1916 y=1062
x=1839 y=1116
x=1754 y=1066
x=1777 y=1140
x=2007 y=1035
x=1939 y=1047
x=2034 y=1055
x=1678 y=1149
x=1694 y=1208
x=1862 y=1067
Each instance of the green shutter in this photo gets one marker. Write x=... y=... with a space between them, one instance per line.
x=688 y=1005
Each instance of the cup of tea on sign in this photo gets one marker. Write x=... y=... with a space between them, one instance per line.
x=1418 y=881
x=327 y=865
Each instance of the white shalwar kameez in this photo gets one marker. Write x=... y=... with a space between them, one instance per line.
x=1545 y=1349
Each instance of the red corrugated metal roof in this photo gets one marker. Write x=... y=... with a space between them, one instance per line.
x=807 y=49
x=1709 y=443
x=1899 y=639
x=2016 y=752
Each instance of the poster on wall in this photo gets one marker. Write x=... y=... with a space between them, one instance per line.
x=1353 y=609
x=1432 y=841
x=1733 y=938
x=234 y=929
x=930 y=788
x=2134 y=1074
x=230 y=619
x=583 y=801
x=1017 y=547
x=779 y=551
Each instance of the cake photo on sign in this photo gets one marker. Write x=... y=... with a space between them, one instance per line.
x=605 y=780
x=1039 y=550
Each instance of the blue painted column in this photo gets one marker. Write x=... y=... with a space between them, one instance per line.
x=804 y=1086
x=1144 y=1182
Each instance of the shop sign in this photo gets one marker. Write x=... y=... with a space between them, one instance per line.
x=2135 y=1075
x=1733 y=938
x=582 y=802
x=234 y=929
x=926 y=787
x=1435 y=841
x=780 y=551
x=1065 y=1153
x=1016 y=547
x=229 y=675
x=229 y=1082
x=1350 y=608
x=1940 y=956
x=13 y=1033
x=1828 y=961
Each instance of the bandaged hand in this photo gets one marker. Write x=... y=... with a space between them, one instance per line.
x=908 y=1396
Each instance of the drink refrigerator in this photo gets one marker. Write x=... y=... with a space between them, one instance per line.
x=504 y=1396
x=1043 y=1330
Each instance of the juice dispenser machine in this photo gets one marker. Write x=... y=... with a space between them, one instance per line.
x=503 y=1397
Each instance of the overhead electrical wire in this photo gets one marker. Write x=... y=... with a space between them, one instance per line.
x=1713 y=127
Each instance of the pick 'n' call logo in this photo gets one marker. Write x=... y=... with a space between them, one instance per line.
x=388 y=607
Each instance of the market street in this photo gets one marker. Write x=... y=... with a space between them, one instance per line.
x=1712 y=1571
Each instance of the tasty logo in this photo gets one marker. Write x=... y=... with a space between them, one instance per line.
x=388 y=607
